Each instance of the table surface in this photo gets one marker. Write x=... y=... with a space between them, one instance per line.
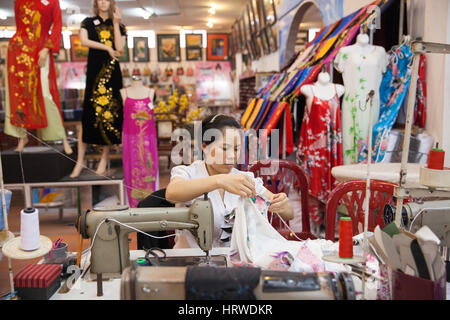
x=380 y=171
x=85 y=289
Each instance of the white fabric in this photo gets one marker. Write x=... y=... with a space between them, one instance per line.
x=361 y=72
x=221 y=208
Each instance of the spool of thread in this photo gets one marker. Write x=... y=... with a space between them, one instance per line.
x=436 y=158
x=29 y=229
x=142 y=262
x=345 y=238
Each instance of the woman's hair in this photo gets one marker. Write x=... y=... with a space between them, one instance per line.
x=218 y=121
x=112 y=7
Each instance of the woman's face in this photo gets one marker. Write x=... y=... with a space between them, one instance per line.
x=103 y=5
x=223 y=154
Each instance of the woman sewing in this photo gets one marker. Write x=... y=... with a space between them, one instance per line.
x=217 y=176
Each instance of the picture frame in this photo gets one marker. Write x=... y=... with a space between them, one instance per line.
x=250 y=34
x=272 y=39
x=78 y=52
x=126 y=53
x=217 y=46
x=169 y=47
x=194 y=50
x=269 y=12
x=263 y=38
x=237 y=37
x=254 y=16
x=141 y=51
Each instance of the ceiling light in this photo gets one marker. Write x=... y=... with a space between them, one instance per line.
x=212 y=10
x=3 y=16
x=210 y=24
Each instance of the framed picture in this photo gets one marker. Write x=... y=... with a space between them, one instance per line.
x=264 y=41
x=250 y=35
x=125 y=57
x=272 y=39
x=78 y=52
x=194 y=47
x=168 y=47
x=194 y=54
x=237 y=37
x=4 y=42
x=254 y=16
x=140 y=49
x=217 y=46
x=269 y=13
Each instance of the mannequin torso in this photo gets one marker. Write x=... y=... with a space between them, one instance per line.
x=137 y=91
x=322 y=89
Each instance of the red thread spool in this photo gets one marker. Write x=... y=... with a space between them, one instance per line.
x=436 y=158
x=345 y=238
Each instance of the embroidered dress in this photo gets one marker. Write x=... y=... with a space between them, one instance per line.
x=320 y=144
x=361 y=73
x=139 y=150
x=103 y=106
x=393 y=92
x=27 y=105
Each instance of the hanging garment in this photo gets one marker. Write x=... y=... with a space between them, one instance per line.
x=248 y=112
x=39 y=26
x=282 y=107
x=103 y=106
x=320 y=144
x=361 y=73
x=139 y=149
x=392 y=93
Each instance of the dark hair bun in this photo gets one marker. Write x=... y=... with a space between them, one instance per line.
x=218 y=121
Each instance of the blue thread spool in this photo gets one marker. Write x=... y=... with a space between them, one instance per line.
x=8 y=195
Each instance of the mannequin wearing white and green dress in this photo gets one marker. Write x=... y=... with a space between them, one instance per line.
x=362 y=66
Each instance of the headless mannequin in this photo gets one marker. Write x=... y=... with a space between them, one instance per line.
x=362 y=66
x=322 y=89
x=137 y=90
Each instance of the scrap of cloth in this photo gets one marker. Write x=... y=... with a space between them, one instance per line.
x=255 y=243
x=209 y=283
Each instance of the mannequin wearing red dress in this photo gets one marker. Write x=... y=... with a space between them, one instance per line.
x=34 y=101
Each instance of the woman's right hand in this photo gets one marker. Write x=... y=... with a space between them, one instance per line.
x=239 y=184
x=113 y=53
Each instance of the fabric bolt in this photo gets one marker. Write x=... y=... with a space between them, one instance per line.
x=248 y=111
x=362 y=72
x=393 y=91
x=266 y=105
x=103 y=106
x=255 y=112
x=282 y=107
x=320 y=144
x=139 y=149
x=221 y=207
x=32 y=97
x=263 y=117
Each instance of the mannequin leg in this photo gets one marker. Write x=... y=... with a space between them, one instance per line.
x=101 y=169
x=67 y=148
x=22 y=143
x=81 y=153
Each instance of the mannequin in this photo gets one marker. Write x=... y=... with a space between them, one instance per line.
x=323 y=89
x=102 y=119
x=32 y=98
x=320 y=142
x=362 y=66
x=139 y=145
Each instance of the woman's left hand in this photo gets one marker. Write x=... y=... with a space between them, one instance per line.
x=279 y=203
x=117 y=17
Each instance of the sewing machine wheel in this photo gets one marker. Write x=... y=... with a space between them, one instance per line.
x=389 y=214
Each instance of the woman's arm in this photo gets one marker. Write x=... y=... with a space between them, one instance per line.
x=280 y=204
x=84 y=38
x=119 y=39
x=181 y=190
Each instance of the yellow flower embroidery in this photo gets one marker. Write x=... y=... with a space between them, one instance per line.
x=108 y=43
x=98 y=109
x=105 y=34
x=107 y=115
x=102 y=90
x=103 y=101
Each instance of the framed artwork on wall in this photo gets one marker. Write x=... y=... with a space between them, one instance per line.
x=194 y=47
x=169 y=47
x=125 y=57
x=78 y=52
x=237 y=34
x=254 y=16
x=269 y=12
x=251 y=35
x=271 y=36
x=140 y=49
x=217 y=46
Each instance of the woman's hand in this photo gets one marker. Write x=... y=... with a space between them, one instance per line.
x=113 y=53
x=43 y=55
x=240 y=184
x=117 y=16
x=280 y=204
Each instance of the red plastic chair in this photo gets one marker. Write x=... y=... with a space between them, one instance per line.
x=352 y=194
x=281 y=176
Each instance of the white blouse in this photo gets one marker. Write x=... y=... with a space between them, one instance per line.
x=221 y=208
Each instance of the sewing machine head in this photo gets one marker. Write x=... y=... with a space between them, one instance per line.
x=108 y=227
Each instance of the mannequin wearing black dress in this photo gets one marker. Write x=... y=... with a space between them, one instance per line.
x=103 y=106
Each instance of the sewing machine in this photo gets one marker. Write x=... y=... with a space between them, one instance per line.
x=108 y=227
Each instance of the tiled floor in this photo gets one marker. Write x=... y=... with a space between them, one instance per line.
x=51 y=227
